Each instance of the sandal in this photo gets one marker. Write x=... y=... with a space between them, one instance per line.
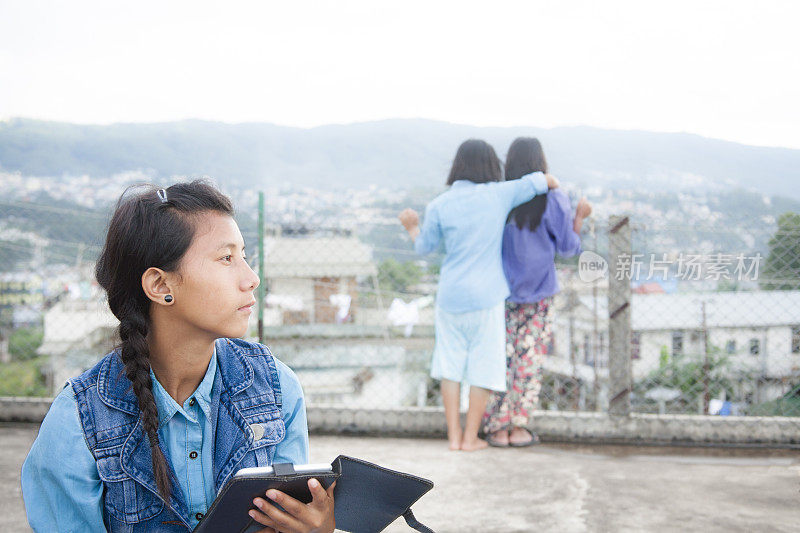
x=534 y=440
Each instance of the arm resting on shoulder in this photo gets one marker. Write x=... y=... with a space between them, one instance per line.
x=517 y=192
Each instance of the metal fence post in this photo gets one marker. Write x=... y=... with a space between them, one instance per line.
x=261 y=260
x=619 y=315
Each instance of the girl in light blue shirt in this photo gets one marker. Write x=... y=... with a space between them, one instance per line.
x=470 y=323
x=144 y=440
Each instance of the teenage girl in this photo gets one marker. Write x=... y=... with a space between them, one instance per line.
x=470 y=321
x=535 y=232
x=143 y=440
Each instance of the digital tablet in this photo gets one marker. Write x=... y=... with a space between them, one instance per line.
x=229 y=510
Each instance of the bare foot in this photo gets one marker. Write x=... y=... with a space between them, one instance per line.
x=455 y=441
x=473 y=445
x=521 y=436
x=498 y=438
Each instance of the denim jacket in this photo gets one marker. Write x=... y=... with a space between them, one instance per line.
x=108 y=411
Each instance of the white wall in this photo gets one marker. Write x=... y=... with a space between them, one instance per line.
x=71 y=321
x=302 y=288
x=775 y=359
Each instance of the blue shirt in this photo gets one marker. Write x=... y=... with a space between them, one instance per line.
x=528 y=256
x=469 y=217
x=67 y=494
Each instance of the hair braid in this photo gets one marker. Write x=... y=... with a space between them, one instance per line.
x=135 y=354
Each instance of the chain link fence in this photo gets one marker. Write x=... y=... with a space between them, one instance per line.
x=716 y=318
x=662 y=318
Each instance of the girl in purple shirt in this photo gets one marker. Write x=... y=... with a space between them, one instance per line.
x=535 y=232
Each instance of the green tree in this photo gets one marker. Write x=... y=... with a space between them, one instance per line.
x=24 y=341
x=663 y=358
x=687 y=374
x=14 y=255
x=23 y=378
x=782 y=268
x=396 y=276
x=727 y=285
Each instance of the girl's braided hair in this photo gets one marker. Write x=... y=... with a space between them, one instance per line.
x=149 y=229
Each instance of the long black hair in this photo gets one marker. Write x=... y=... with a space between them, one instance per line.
x=475 y=161
x=525 y=155
x=146 y=232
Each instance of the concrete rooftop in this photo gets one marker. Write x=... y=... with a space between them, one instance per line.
x=561 y=488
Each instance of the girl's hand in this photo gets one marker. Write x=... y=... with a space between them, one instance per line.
x=552 y=181
x=314 y=517
x=584 y=209
x=409 y=219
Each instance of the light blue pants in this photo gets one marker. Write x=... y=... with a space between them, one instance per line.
x=471 y=347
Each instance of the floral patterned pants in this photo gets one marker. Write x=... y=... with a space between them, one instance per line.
x=528 y=335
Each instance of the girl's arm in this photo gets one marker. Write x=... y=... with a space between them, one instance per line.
x=561 y=226
x=61 y=487
x=294 y=447
x=516 y=192
x=583 y=211
x=426 y=239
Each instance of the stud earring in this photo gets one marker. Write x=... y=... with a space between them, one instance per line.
x=168 y=298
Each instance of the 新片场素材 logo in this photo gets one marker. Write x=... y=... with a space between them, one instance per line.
x=591 y=267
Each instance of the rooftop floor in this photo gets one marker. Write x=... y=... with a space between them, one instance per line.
x=563 y=488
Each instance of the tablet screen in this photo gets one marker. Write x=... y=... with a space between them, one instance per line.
x=322 y=468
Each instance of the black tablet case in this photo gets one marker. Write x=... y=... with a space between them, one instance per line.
x=367 y=497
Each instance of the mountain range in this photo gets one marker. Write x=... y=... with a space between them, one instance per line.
x=402 y=153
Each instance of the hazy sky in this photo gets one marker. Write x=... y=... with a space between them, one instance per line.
x=726 y=69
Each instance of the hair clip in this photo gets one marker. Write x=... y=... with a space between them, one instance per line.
x=162 y=194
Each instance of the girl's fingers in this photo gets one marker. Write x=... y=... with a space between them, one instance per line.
x=264 y=520
x=408 y=216
x=281 y=519
x=293 y=507
x=318 y=492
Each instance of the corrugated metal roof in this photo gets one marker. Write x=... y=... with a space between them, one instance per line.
x=318 y=257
